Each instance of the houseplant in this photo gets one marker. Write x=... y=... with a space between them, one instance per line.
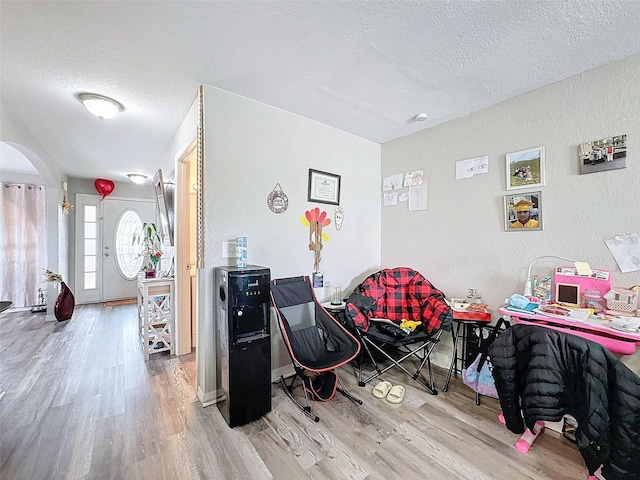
x=149 y=240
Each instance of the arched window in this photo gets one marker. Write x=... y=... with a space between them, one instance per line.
x=128 y=256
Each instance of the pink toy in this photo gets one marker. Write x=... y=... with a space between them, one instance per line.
x=569 y=286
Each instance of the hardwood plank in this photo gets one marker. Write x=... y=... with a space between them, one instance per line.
x=82 y=404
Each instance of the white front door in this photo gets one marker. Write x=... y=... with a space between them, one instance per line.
x=116 y=282
x=104 y=228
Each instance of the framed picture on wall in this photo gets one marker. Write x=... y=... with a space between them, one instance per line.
x=323 y=187
x=523 y=212
x=605 y=154
x=525 y=169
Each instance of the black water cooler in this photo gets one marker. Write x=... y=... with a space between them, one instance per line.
x=243 y=343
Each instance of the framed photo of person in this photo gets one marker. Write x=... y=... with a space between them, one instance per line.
x=525 y=169
x=523 y=212
x=323 y=187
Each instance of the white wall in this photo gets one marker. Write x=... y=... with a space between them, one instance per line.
x=249 y=148
x=19 y=177
x=459 y=241
x=15 y=133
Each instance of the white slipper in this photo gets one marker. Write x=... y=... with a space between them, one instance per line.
x=381 y=389
x=396 y=394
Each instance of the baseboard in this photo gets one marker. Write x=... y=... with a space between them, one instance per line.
x=210 y=398
x=285 y=372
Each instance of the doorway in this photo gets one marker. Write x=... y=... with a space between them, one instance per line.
x=185 y=273
x=106 y=262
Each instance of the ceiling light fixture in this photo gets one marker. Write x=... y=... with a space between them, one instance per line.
x=421 y=117
x=99 y=105
x=137 y=177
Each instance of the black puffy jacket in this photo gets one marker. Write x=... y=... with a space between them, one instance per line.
x=544 y=374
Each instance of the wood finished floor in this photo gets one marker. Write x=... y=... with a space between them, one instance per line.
x=81 y=403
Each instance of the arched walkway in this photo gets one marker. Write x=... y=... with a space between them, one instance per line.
x=56 y=222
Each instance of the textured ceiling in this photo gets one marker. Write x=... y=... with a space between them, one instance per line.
x=364 y=67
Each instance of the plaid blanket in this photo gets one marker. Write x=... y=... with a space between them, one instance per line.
x=400 y=293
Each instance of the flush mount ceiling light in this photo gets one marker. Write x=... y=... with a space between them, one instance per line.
x=137 y=177
x=421 y=117
x=99 y=105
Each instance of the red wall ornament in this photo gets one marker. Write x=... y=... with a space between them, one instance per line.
x=104 y=187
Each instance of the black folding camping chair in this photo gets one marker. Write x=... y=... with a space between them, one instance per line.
x=375 y=311
x=317 y=343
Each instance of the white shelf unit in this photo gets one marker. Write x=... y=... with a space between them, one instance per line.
x=156 y=315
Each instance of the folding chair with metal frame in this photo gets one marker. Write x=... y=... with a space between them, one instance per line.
x=316 y=342
x=375 y=310
x=418 y=344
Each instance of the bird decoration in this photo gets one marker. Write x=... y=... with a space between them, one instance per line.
x=316 y=220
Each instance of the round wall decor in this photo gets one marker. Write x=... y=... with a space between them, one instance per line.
x=277 y=200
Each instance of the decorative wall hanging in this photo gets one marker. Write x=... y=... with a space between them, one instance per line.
x=323 y=187
x=104 y=187
x=277 y=200
x=338 y=217
x=66 y=206
x=604 y=154
x=525 y=168
x=315 y=220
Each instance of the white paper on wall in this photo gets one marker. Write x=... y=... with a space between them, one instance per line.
x=413 y=178
x=418 y=197
x=471 y=167
x=390 y=199
x=393 y=182
x=626 y=250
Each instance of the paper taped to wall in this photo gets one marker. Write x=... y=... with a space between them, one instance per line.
x=418 y=197
x=625 y=248
x=471 y=167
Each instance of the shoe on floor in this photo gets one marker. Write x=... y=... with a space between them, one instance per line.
x=381 y=389
x=396 y=394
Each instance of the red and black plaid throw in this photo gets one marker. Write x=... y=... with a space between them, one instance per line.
x=401 y=293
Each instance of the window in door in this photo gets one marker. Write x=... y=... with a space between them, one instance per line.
x=90 y=266
x=128 y=256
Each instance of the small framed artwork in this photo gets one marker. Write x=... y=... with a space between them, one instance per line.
x=323 y=187
x=604 y=154
x=525 y=169
x=523 y=212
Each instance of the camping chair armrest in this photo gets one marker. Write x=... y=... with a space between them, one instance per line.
x=357 y=310
x=434 y=313
x=354 y=318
